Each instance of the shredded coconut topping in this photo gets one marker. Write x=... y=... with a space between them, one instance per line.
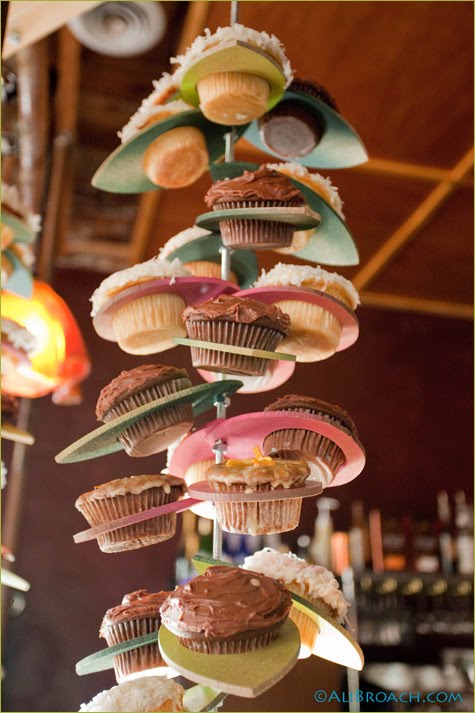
x=151 y=269
x=311 y=580
x=323 y=186
x=11 y=199
x=284 y=274
x=182 y=238
x=142 y=117
x=144 y=694
x=19 y=336
x=268 y=43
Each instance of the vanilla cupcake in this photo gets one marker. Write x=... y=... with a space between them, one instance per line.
x=313 y=583
x=263 y=517
x=178 y=157
x=128 y=496
x=315 y=332
x=153 y=693
x=232 y=97
x=138 y=387
x=199 y=268
x=148 y=324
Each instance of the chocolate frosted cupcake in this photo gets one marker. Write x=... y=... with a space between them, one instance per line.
x=290 y=130
x=138 y=387
x=138 y=615
x=263 y=188
x=128 y=496
x=324 y=457
x=227 y=611
x=238 y=321
x=263 y=517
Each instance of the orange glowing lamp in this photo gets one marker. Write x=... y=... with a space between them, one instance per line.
x=60 y=359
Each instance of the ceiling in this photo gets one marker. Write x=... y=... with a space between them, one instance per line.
x=401 y=73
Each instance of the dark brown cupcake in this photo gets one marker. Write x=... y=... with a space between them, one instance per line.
x=290 y=130
x=128 y=496
x=227 y=610
x=324 y=457
x=138 y=615
x=263 y=188
x=140 y=386
x=237 y=321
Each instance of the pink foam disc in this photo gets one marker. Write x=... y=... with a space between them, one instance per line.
x=203 y=491
x=277 y=374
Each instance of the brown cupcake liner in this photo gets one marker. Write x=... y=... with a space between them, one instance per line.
x=99 y=511
x=258 y=234
x=136 y=660
x=238 y=644
x=299 y=439
x=236 y=334
x=157 y=431
x=266 y=517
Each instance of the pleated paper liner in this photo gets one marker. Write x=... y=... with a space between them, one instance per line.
x=340 y=145
x=247 y=675
x=192 y=290
x=22 y=231
x=333 y=643
x=243 y=262
x=105 y=439
x=303 y=218
x=331 y=243
x=234 y=56
x=204 y=491
x=103 y=660
x=20 y=282
x=12 y=433
x=123 y=172
x=345 y=316
x=242 y=433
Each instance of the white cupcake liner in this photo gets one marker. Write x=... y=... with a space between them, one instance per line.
x=177 y=158
x=147 y=325
x=314 y=334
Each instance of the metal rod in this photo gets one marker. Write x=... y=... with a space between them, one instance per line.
x=352 y=676
x=234 y=12
x=219 y=450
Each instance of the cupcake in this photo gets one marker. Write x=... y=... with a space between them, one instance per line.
x=12 y=205
x=263 y=188
x=290 y=130
x=153 y=693
x=137 y=387
x=325 y=458
x=226 y=610
x=178 y=157
x=128 y=496
x=315 y=332
x=138 y=615
x=237 y=321
x=147 y=324
x=199 y=268
x=313 y=583
x=18 y=345
x=231 y=97
x=263 y=517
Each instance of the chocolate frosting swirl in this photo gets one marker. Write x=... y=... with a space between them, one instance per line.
x=261 y=185
x=137 y=605
x=131 y=382
x=226 y=601
x=244 y=310
x=292 y=401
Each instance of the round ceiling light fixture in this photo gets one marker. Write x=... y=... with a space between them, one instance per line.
x=121 y=29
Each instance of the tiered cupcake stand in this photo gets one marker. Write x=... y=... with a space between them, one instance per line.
x=251 y=673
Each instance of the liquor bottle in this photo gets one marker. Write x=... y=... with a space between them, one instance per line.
x=464 y=536
x=358 y=538
x=320 y=547
x=446 y=549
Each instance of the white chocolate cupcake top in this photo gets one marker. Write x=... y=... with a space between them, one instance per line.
x=149 y=270
x=317 y=278
x=148 y=693
x=19 y=336
x=11 y=199
x=268 y=43
x=134 y=484
x=311 y=580
x=315 y=181
x=182 y=238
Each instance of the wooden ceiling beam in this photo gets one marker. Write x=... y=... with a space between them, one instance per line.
x=375 y=166
x=195 y=21
x=408 y=230
x=404 y=303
